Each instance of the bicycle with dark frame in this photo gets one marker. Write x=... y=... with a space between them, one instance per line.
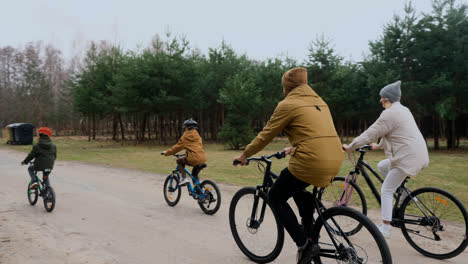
x=432 y=220
x=260 y=236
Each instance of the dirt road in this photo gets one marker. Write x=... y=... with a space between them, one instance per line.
x=109 y=215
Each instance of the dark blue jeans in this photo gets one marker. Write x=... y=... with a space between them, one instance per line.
x=285 y=187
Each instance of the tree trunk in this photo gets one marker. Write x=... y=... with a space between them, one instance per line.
x=143 y=128
x=121 y=127
x=435 y=130
x=149 y=127
x=89 y=127
x=94 y=126
x=161 y=130
x=114 y=127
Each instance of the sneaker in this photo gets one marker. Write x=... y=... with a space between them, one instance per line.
x=33 y=185
x=307 y=252
x=184 y=181
x=386 y=230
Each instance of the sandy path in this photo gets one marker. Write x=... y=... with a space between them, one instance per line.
x=109 y=215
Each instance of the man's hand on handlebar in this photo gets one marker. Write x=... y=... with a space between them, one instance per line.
x=287 y=150
x=240 y=160
x=374 y=146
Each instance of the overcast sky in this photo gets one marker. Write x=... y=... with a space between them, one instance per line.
x=259 y=28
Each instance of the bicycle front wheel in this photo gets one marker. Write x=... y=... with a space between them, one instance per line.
x=336 y=193
x=254 y=226
x=367 y=246
x=434 y=222
x=33 y=194
x=172 y=190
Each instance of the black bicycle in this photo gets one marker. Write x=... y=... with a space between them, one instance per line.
x=433 y=221
x=43 y=189
x=260 y=236
x=206 y=193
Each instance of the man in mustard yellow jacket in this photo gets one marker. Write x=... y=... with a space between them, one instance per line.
x=316 y=153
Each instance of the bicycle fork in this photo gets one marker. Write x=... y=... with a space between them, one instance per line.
x=254 y=223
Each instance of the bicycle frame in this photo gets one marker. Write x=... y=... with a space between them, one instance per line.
x=190 y=187
x=361 y=167
x=40 y=183
x=319 y=207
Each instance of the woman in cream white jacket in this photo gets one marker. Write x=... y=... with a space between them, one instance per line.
x=403 y=144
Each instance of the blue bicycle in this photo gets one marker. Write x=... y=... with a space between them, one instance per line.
x=206 y=193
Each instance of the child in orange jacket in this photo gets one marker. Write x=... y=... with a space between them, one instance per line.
x=192 y=143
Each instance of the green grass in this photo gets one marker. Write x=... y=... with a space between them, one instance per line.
x=447 y=170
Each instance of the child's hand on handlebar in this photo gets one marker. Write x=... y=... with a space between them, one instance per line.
x=240 y=160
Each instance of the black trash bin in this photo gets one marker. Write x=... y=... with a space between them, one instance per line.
x=20 y=134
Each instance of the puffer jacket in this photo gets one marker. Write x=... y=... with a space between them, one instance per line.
x=44 y=154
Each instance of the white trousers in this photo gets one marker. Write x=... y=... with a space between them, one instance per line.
x=393 y=180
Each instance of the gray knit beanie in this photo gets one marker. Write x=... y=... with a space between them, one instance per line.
x=392 y=92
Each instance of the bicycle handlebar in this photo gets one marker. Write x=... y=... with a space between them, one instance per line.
x=175 y=155
x=278 y=155
x=368 y=147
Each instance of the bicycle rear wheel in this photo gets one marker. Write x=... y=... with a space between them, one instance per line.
x=49 y=198
x=434 y=222
x=331 y=196
x=33 y=194
x=210 y=205
x=367 y=246
x=172 y=190
x=260 y=239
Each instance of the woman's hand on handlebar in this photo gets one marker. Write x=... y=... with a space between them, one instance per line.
x=346 y=147
x=240 y=160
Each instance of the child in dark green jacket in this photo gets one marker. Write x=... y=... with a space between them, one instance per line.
x=44 y=154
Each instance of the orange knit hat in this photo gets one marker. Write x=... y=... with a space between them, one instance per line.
x=45 y=130
x=293 y=78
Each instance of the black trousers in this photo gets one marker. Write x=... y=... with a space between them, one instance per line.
x=182 y=162
x=45 y=175
x=285 y=187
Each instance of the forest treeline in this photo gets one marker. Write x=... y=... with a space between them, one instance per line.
x=147 y=93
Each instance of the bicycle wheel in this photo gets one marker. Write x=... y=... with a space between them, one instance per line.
x=261 y=238
x=172 y=190
x=210 y=205
x=333 y=193
x=367 y=246
x=434 y=223
x=33 y=194
x=49 y=198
